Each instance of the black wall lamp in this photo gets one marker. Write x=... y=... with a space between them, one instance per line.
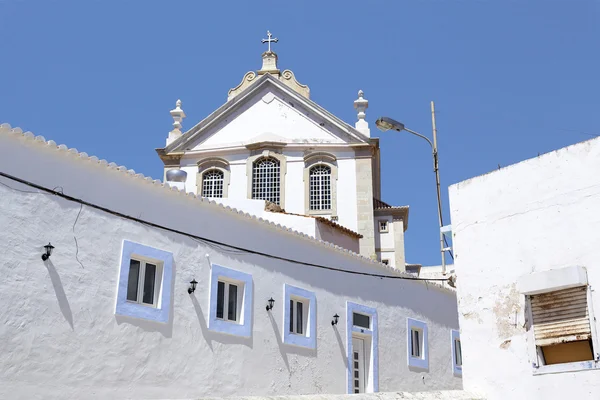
x=192 y=287
x=335 y=319
x=48 y=253
x=270 y=305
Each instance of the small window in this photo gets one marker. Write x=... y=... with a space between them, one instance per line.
x=298 y=311
x=416 y=343
x=561 y=326
x=383 y=226
x=144 y=289
x=457 y=353
x=361 y=320
x=228 y=301
x=212 y=183
x=142 y=283
x=299 y=317
x=385 y=261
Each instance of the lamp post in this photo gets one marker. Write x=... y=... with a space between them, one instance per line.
x=385 y=124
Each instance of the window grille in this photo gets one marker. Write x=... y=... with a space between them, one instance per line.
x=320 y=188
x=212 y=183
x=266 y=180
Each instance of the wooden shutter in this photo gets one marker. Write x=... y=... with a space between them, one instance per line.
x=561 y=316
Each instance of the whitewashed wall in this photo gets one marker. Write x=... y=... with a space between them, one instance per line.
x=538 y=215
x=60 y=338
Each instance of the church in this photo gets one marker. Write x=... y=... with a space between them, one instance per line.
x=255 y=267
x=271 y=142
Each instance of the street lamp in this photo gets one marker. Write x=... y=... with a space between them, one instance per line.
x=386 y=124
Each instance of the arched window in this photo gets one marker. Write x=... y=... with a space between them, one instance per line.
x=212 y=183
x=320 y=187
x=266 y=180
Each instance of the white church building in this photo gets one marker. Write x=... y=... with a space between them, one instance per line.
x=250 y=272
x=271 y=142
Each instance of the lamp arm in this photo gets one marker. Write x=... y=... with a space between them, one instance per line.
x=421 y=136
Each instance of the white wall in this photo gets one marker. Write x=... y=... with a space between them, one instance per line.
x=60 y=337
x=538 y=215
x=295 y=186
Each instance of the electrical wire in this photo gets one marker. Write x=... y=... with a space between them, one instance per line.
x=203 y=239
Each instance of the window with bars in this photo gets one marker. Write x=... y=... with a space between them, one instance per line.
x=266 y=180
x=212 y=183
x=320 y=188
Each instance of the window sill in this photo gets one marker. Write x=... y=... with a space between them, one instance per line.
x=141 y=304
x=320 y=212
x=567 y=367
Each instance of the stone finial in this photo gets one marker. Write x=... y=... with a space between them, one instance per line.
x=178 y=116
x=361 y=104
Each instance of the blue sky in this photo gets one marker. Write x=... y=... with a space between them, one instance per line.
x=510 y=79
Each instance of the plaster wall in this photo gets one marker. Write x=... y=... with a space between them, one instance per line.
x=332 y=235
x=60 y=336
x=269 y=115
x=537 y=215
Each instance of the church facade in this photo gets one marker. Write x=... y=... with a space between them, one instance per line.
x=271 y=142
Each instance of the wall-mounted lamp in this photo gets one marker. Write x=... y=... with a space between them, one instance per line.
x=335 y=319
x=192 y=287
x=48 y=253
x=270 y=305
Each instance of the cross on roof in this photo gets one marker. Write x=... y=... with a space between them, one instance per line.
x=269 y=40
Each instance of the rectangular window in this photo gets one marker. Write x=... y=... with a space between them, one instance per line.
x=231 y=297
x=383 y=226
x=228 y=301
x=457 y=353
x=416 y=343
x=142 y=283
x=297 y=317
x=561 y=326
x=361 y=320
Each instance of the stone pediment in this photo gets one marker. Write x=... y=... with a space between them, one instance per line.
x=267 y=110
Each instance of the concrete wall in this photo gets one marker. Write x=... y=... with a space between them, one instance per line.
x=538 y=215
x=60 y=337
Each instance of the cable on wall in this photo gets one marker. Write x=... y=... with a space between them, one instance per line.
x=199 y=238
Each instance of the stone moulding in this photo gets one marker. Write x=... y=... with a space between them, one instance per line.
x=246 y=81
x=289 y=79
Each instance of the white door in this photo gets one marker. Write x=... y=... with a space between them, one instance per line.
x=358 y=365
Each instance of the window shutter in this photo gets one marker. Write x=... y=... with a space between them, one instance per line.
x=560 y=316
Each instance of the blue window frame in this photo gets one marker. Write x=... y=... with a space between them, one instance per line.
x=456 y=353
x=299 y=317
x=230 y=301
x=417 y=344
x=145 y=281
